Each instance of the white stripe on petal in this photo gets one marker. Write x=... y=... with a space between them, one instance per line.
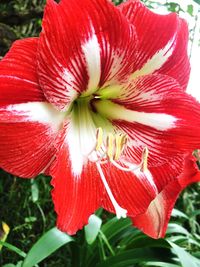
x=157 y=61
x=159 y=121
x=41 y=112
x=81 y=136
x=91 y=50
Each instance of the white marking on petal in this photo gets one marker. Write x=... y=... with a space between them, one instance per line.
x=41 y=112
x=91 y=50
x=157 y=60
x=159 y=121
x=76 y=157
x=146 y=175
x=81 y=136
x=120 y=212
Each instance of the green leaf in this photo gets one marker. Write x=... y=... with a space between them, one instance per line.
x=197 y=1
x=128 y=258
x=115 y=226
x=176 y=228
x=45 y=246
x=177 y=213
x=92 y=229
x=19 y=264
x=160 y=264
x=13 y=248
x=9 y=265
x=185 y=258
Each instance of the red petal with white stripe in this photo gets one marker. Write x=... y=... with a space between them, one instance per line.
x=155 y=113
x=75 y=197
x=18 y=74
x=163 y=41
x=79 y=55
x=155 y=220
x=27 y=135
x=28 y=126
x=135 y=190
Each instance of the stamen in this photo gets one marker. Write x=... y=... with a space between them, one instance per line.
x=110 y=149
x=110 y=145
x=120 y=212
x=114 y=144
x=120 y=140
x=131 y=168
x=99 y=139
x=145 y=155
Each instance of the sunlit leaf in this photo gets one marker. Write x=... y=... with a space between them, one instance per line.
x=45 y=246
x=176 y=228
x=186 y=259
x=160 y=264
x=177 y=213
x=92 y=229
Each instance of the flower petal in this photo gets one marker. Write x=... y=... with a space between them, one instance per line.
x=27 y=136
x=75 y=197
x=28 y=125
x=163 y=41
x=18 y=74
x=155 y=113
x=102 y=52
x=135 y=190
x=155 y=220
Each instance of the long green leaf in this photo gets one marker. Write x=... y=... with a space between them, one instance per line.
x=45 y=246
x=129 y=257
x=160 y=264
x=13 y=248
x=185 y=258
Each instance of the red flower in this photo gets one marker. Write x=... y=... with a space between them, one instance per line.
x=98 y=102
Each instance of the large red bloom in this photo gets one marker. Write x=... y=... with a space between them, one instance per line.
x=98 y=102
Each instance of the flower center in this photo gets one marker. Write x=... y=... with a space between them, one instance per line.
x=92 y=137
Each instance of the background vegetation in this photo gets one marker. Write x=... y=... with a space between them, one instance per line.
x=26 y=205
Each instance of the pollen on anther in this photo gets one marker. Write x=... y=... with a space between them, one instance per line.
x=112 y=145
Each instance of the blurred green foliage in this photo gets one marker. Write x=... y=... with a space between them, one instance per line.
x=22 y=18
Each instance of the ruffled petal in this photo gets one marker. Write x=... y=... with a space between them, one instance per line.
x=75 y=197
x=155 y=113
x=27 y=135
x=18 y=74
x=155 y=220
x=163 y=41
x=103 y=50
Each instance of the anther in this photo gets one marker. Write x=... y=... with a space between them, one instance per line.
x=99 y=139
x=145 y=155
x=114 y=144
